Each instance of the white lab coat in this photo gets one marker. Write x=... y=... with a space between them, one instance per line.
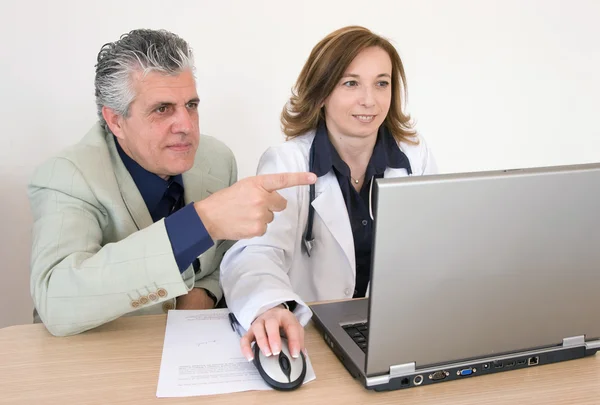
x=260 y=273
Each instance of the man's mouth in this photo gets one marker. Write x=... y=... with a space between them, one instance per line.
x=180 y=147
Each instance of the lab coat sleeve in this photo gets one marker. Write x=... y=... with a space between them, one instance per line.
x=254 y=272
x=428 y=162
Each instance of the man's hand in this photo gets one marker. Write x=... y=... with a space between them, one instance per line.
x=196 y=298
x=265 y=330
x=244 y=209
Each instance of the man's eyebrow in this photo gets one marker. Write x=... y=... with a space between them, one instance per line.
x=157 y=104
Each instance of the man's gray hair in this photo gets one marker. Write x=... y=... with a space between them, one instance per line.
x=141 y=51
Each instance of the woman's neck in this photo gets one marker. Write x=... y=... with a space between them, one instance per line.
x=355 y=151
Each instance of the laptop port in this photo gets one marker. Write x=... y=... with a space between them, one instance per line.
x=418 y=380
x=533 y=361
x=465 y=371
x=521 y=362
x=438 y=375
x=404 y=381
x=486 y=366
x=510 y=364
x=498 y=364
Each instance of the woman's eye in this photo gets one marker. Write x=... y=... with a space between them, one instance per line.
x=383 y=83
x=350 y=83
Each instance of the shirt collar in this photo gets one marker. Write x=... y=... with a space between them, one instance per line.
x=386 y=153
x=151 y=186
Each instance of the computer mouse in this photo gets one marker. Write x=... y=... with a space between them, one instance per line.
x=282 y=371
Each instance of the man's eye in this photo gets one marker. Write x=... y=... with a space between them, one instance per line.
x=192 y=105
x=161 y=109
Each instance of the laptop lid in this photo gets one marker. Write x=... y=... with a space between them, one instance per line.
x=478 y=264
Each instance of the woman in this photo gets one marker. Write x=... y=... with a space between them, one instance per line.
x=344 y=122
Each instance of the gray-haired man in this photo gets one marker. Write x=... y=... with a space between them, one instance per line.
x=140 y=211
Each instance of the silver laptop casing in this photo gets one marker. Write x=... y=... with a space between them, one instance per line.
x=484 y=271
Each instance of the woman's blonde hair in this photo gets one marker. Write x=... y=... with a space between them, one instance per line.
x=326 y=66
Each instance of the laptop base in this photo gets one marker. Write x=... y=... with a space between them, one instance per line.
x=455 y=371
x=479 y=368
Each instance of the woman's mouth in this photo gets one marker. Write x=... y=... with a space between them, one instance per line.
x=365 y=119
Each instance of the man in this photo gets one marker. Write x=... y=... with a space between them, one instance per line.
x=135 y=218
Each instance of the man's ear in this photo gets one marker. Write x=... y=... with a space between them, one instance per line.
x=113 y=120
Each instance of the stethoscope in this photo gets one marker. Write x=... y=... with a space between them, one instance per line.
x=308 y=240
x=308 y=236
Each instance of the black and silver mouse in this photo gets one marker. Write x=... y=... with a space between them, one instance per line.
x=282 y=371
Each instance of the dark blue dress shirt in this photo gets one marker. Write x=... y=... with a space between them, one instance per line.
x=165 y=199
x=385 y=154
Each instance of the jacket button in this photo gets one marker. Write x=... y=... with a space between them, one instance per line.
x=135 y=303
x=153 y=296
x=144 y=300
x=162 y=293
x=167 y=306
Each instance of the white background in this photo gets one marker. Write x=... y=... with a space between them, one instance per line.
x=492 y=84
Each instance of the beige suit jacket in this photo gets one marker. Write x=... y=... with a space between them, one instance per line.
x=96 y=253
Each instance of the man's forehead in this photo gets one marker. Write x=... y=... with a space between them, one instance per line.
x=155 y=85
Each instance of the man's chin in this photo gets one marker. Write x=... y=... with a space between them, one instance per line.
x=174 y=170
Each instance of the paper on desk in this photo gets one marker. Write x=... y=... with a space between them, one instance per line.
x=202 y=356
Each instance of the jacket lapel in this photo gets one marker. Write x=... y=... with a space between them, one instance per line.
x=329 y=204
x=199 y=184
x=129 y=191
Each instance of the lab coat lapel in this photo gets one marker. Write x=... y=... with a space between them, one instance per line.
x=391 y=172
x=330 y=206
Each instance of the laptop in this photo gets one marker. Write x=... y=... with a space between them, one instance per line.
x=474 y=274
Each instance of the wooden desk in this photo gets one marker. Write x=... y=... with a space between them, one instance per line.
x=118 y=363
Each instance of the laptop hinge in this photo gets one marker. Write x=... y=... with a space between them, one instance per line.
x=580 y=341
x=574 y=341
x=402 y=369
x=594 y=344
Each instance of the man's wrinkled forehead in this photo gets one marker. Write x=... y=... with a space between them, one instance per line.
x=157 y=87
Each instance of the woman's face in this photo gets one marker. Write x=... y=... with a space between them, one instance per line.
x=361 y=100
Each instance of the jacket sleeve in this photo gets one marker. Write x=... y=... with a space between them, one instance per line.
x=254 y=272
x=211 y=281
x=78 y=281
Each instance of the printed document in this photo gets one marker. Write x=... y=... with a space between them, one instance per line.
x=202 y=356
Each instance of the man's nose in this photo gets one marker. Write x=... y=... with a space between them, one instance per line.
x=183 y=121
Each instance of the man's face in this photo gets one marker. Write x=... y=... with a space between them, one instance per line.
x=161 y=132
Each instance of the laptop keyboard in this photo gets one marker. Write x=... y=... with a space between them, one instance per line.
x=359 y=332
